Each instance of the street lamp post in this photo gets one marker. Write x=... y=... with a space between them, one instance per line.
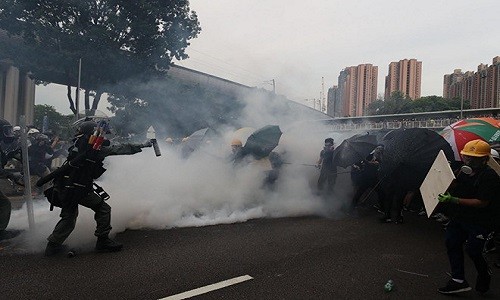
x=273 y=83
x=77 y=98
x=461 y=108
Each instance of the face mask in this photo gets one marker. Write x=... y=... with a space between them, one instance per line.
x=7 y=134
x=8 y=140
x=472 y=165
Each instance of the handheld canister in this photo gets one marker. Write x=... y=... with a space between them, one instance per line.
x=156 y=147
x=151 y=135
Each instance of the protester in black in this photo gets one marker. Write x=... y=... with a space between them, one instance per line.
x=494 y=244
x=365 y=177
x=474 y=213
x=328 y=170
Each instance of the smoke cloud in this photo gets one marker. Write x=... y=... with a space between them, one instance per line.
x=149 y=192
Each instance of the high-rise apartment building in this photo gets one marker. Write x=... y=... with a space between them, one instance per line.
x=451 y=85
x=357 y=88
x=481 y=88
x=333 y=102
x=404 y=76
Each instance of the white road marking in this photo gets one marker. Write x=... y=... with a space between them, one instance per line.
x=209 y=288
x=413 y=273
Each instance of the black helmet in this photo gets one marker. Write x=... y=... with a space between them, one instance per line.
x=86 y=127
x=6 y=132
x=42 y=138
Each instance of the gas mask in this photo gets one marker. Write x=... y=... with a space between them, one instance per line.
x=466 y=169
x=472 y=164
x=6 y=134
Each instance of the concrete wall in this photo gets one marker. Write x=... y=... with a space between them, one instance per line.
x=227 y=87
x=17 y=92
x=215 y=83
x=17 y=95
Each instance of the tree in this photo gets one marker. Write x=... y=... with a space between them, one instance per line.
x=57 y=123
x=398 y=103
x=437 y=103
x=174 y=108
x=376 y=107
x=430 y=103
x=116 y=40
x=456 y=103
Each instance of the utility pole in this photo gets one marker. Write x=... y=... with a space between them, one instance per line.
x=273 y=83
x=461 y=107
x=323 y=104
x=77 y=98
x=26 y=172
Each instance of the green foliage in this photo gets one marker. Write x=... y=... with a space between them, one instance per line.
x=377 y=107
x=398 y=104
x=430 y=103
x=115 y=39
x=456 y=102
x=57 y=123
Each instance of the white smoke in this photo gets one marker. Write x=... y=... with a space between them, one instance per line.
x=205 y=189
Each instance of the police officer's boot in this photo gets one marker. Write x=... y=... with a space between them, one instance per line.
x=8 y=234
x=54 y=249
x=105 y=244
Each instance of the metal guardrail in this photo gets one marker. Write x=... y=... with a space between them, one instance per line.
x=431 y=124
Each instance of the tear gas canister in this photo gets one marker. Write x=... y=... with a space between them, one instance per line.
x=389 y=286
x=156 y=147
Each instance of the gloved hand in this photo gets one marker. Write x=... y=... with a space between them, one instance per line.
x=146 y=144
x=16 y=177
x=447 y=198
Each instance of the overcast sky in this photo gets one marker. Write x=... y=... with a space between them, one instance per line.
x=296 y=43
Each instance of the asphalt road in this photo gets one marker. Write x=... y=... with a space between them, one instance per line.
x=289 y=258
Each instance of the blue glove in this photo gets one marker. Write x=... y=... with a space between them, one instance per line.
x=447 y=198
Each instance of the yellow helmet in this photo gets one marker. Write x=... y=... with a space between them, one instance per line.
x=236 y=142
x=476 y=148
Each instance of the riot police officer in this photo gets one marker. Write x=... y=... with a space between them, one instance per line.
x=7 y=137
x=76 y=187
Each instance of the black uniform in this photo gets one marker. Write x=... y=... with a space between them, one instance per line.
x=76 y=188
x=365 y=176
x=328 y=173
x=38 y=153
x=5 y=205
x=470 y=226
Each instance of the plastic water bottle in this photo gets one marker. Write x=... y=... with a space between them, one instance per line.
x=389 y=285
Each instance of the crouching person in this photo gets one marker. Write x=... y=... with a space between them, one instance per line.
x=73 y=185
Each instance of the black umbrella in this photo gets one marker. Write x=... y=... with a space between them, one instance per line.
x=354 y=149
x=409 y=154
x=263 y=141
